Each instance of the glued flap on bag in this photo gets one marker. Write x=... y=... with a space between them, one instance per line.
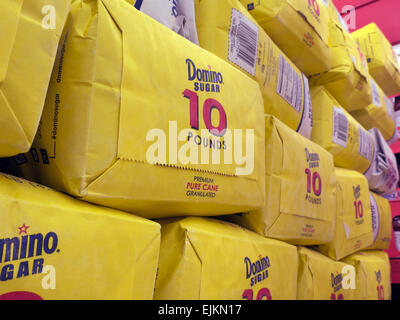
x=10 y=12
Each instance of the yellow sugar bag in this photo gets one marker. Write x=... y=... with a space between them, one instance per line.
x=299 y=28
x=162 y=131
x=338 y=132
x=353 y=226
x=381 y=222
x=321 y=278
x=30 y=33
x=229 y=31
x=208 y=259
x=300 y=189
x=54 y=247
x=347 y=80
x=382 y=60
x=378 y=114
x=372 y=274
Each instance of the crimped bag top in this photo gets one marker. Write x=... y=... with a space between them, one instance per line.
x=55 y=247
x=338 y=132
x=29 y=38
x=118 y=115
x=321 y=278
x=209 y=259
x=228 y=30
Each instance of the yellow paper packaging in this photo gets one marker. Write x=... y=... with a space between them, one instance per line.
x=123 y=131
x=338 y=132
x=299 y=28
x=378 y=114
x=353 y=226
x=54 y=247
x=228 y=30
x=29 y=39
x=300 y=189
x=321 y=278
x=381 y=222
x=209 y=259
x=347 y=80
x=382 y=60
x=372 y=275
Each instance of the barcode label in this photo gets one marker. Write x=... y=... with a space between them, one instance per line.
x=243 y=42
x=365 y=144
x=289 y=84
x=376 y=99
x=340 y=127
